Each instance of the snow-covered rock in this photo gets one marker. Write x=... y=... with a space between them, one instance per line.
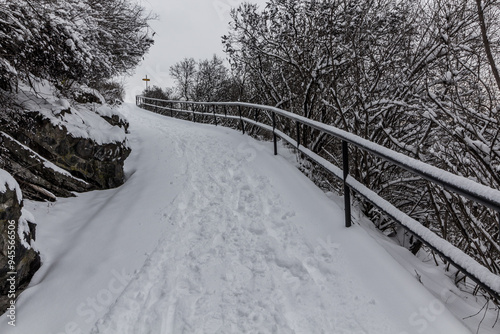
x=17 y=234
x=57 y=146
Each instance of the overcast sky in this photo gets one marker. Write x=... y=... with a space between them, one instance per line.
x=185 y=28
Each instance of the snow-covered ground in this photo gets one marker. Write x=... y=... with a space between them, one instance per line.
x=211 y=233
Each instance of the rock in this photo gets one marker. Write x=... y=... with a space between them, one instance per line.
x=26 y=259
x=117 y=121
x=113 y=118
x=39 y=178
x=81 y=164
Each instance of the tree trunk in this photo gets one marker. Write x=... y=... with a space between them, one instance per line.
x=486 y=42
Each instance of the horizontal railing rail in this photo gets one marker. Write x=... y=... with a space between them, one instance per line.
x=458 y=184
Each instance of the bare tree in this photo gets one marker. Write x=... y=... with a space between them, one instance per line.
x=184 y=73
x=211 y=80
x=484 y=34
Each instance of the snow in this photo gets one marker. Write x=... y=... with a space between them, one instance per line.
x=80 y=121
x=8 y=182
x=212 y=233
x=460 y=258
x=107 y=111
x=95 y=92
x=491 y=280
x=23 y=228
x=84 y=123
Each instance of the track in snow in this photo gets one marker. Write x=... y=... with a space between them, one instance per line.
x=235 y=258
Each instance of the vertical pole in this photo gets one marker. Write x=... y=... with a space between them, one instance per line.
x=225 y=111
x=194 y=115
x=347 y=190
x=215 y=117
x=256 y=119
x=298 y=133
x=274 y=134
x=172 y=110
x=241 y=121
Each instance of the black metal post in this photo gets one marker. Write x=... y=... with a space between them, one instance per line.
x=241 y=121
x=215 y=117
x=274 y=135
x=194 y=111
x=298 y=134
x=225 y=111
x=347 y=189
x=172 y=110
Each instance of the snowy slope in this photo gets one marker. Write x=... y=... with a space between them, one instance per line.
x=211 y=233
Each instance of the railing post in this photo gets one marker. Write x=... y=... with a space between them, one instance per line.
x=298 y=133
x=274 y=134
x=215 y=117
x=241 y=121
x=194 y=115
x=172 y=110
x=225 y=111
x=347 y=189
x=256 y=119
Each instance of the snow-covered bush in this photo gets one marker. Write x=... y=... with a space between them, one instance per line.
x=418 y=77
x=70 y=41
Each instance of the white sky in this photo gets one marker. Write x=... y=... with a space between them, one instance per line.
x=185 y=28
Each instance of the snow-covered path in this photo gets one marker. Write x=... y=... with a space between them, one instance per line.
x=213 y=234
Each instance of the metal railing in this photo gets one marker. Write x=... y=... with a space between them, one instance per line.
x=460 y=185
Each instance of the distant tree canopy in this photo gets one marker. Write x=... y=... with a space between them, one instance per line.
x=159 y=93
x=205 y=80
x=66 y=41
